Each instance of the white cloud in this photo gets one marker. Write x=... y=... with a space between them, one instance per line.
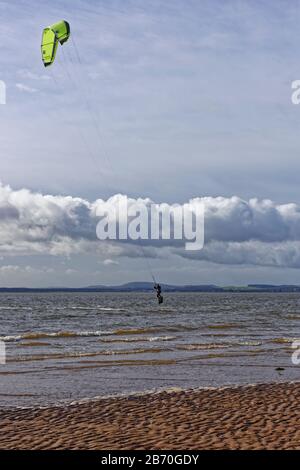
x=25 y=88
x=16 y=269
x=9 y=268
x=237 y=232
x=109 y=262
x=70 y=272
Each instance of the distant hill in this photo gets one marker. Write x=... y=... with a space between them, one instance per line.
x=275 y=288
x=148 y=286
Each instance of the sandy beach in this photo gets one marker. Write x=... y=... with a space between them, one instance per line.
x=251 y=417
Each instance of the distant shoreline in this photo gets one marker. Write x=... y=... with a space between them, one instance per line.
x=148 y=287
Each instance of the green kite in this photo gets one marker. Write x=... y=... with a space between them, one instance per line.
x=52 y=35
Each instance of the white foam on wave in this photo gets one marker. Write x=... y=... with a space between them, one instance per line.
x=56 y=334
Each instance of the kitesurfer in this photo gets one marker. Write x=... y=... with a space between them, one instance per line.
x=157 y=287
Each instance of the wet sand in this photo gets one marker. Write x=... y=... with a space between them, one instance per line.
x=252 y=417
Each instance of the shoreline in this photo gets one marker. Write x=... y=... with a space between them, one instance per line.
x=141 y=393
x=253 y=416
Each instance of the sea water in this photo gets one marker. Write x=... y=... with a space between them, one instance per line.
x=62 y=347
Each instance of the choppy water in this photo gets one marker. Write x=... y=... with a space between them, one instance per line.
x=68 y=346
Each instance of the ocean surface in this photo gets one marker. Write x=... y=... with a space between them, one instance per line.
x=64 y=347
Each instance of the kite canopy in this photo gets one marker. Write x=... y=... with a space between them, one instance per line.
x=52 y=35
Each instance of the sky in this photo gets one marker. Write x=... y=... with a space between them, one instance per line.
x=165 y=101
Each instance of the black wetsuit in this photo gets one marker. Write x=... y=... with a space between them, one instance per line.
x=157 y=287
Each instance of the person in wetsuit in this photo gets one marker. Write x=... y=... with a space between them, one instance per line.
x=160 y=299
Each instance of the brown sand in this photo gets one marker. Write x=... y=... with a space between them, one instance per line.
x=253 y=417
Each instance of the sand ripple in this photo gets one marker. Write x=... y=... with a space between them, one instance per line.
x=253 y=417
